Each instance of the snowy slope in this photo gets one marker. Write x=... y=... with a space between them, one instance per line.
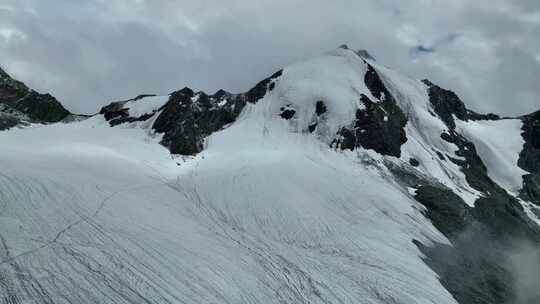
x=499 y=144
x=268 y=212
x=106 y=215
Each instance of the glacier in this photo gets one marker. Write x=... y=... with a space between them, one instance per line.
x=267 y=212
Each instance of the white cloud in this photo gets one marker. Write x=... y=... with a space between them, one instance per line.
x=101 y=50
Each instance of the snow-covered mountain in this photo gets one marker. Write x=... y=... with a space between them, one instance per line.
x=335 y=180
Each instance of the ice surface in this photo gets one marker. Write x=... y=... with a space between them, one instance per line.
x=99 y=214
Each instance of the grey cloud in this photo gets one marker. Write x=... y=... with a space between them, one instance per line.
x=88 y=53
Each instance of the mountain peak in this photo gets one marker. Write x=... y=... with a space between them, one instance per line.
x=365 y=54
x=333 y=180
x=360 y=52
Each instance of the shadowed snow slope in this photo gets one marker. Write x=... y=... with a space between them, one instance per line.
x=269 y=212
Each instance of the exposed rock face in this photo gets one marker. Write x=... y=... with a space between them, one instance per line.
x=320 y=111
x=287 y=112
x=529 y=158
x=380 y=126
x=262 y=87
x=188 y=118
x=116 y=114
x=10 y=89
x=320 y=108
x=8 y=121
x=21 y=105
x=531 y=188
x=41 y=107
x=446 y=103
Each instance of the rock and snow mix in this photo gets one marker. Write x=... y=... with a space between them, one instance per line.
x=498 y=144
x=424 y=129
x=267 y=213
x=146 y=105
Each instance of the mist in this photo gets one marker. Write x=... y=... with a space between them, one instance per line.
x=524 y=263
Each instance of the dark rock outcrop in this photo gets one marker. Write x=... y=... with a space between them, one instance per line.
x=529 y=158
x=116 y=114
x=259 y=90
x=11 y=90
x=8 y=121
x=531 y=188
x=287 y=112
x=320 y=108
x=379 y=125
x=21 y=105
x=345 y=140
x=188 y=117
x=414 y=162
x=41 y=107
x=375 y=84
x=319 y=116
x=446 y=104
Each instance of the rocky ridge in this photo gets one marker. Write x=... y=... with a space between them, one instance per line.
x=20 y=105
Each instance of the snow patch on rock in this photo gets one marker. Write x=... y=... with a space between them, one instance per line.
x=146 y=105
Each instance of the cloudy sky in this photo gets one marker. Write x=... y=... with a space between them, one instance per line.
x=90 y=52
